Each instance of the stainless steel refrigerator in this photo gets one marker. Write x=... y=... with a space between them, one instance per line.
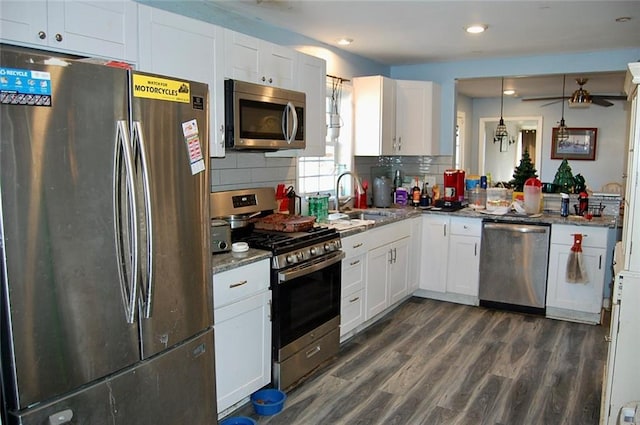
x=106 y=282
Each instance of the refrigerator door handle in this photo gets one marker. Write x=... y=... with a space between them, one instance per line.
x=147 y=289
x=126 y=218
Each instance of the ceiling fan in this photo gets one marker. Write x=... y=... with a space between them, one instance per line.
x=581 y=98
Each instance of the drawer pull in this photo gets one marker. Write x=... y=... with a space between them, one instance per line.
x=358 y=245
x=235 y=285
x=354 y=299
x=313 y=351
x=353 y=263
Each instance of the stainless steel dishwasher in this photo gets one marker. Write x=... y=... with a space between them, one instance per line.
x=513 y=265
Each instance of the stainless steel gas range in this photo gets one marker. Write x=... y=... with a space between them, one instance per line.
x=305 y=284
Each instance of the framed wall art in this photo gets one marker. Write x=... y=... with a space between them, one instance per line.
x=581 y=144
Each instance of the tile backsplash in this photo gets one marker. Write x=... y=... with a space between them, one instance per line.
x=241 y=170
x=369 y=167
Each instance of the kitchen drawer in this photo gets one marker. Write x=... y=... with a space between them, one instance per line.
x=353 y=269
x=242 y=282
x=384 y=235
x=594 y=237
x=355 y=244
x=466 y=226
x=351 y=312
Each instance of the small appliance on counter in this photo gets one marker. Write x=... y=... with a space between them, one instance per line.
x=454 y=185
x=220 y=236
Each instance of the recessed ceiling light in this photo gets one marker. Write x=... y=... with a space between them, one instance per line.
x=509 y=92
x=345 y=41
x=476 y=28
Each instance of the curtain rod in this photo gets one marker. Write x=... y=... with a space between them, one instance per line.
x=338 y=78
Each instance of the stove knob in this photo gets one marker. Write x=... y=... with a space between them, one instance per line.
x=291 y=259
x=313 y=251
x=299 y=256
x=326 y=247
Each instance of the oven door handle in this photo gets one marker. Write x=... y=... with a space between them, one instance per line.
x=310 y=268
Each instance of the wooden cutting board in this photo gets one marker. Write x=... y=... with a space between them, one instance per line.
x=285 y=223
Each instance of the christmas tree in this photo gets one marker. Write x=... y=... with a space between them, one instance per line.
x=564 y=180
x=522 y=172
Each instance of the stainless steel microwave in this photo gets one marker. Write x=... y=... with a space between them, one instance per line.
x=262 y=117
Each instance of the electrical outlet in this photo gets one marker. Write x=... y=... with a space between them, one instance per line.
x=431 y=180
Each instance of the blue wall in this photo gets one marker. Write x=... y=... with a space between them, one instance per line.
x=445 y=73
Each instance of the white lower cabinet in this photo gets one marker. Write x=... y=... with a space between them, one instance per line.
x=387 y=267
x=463 y=265
x=353 y=280
x=435 y=243
x=242 y=308
x=578 y=301
x=450 y=258
x=415 y=257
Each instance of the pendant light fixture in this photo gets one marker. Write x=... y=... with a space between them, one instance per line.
x=563 y=133
x=501 y=129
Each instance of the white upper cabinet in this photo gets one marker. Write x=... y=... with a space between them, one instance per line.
x=186 y=48
x=258 y=61
x=396 y=117
x=310 y=78
x=417 y=120
x=105 y=29
x=375 y=116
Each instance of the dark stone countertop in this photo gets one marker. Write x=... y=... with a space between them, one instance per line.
x=230 y=260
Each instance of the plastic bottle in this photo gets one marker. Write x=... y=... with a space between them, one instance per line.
x=564 y=205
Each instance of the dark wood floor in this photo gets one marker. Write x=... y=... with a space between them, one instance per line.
x=432 y=362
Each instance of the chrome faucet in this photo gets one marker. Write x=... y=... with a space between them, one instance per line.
x=360 y=189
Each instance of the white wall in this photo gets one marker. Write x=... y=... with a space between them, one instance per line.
x=445 y=74
x=611 y=122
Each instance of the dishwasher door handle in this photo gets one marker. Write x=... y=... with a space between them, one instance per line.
x=516 y=228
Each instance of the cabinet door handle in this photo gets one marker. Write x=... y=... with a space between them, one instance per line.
x=475 y=249
x=354 y=299
x=42 y=35
x=607 y=338
x=353 y=263
x=444 y=228
x=358 y=245
x=235 y=285
x=58 y=37
x=395 y=255
x=264 y=79
x=270 y=314
x=390 y=256
x=600 y=262
x=399 y=143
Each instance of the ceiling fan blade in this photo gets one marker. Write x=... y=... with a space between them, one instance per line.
x=544 y=98
x=600 y=101
x=551 y=103
x=612 y=97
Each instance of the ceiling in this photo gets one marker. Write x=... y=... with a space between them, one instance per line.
x=422 y=31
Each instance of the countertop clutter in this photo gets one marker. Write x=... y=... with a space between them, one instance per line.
x=360 y=220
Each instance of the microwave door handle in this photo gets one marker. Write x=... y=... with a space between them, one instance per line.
x=294 y=115
x=285 y=122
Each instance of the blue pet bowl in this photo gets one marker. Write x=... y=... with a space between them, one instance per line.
x=238 y=420
x=268 y=402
